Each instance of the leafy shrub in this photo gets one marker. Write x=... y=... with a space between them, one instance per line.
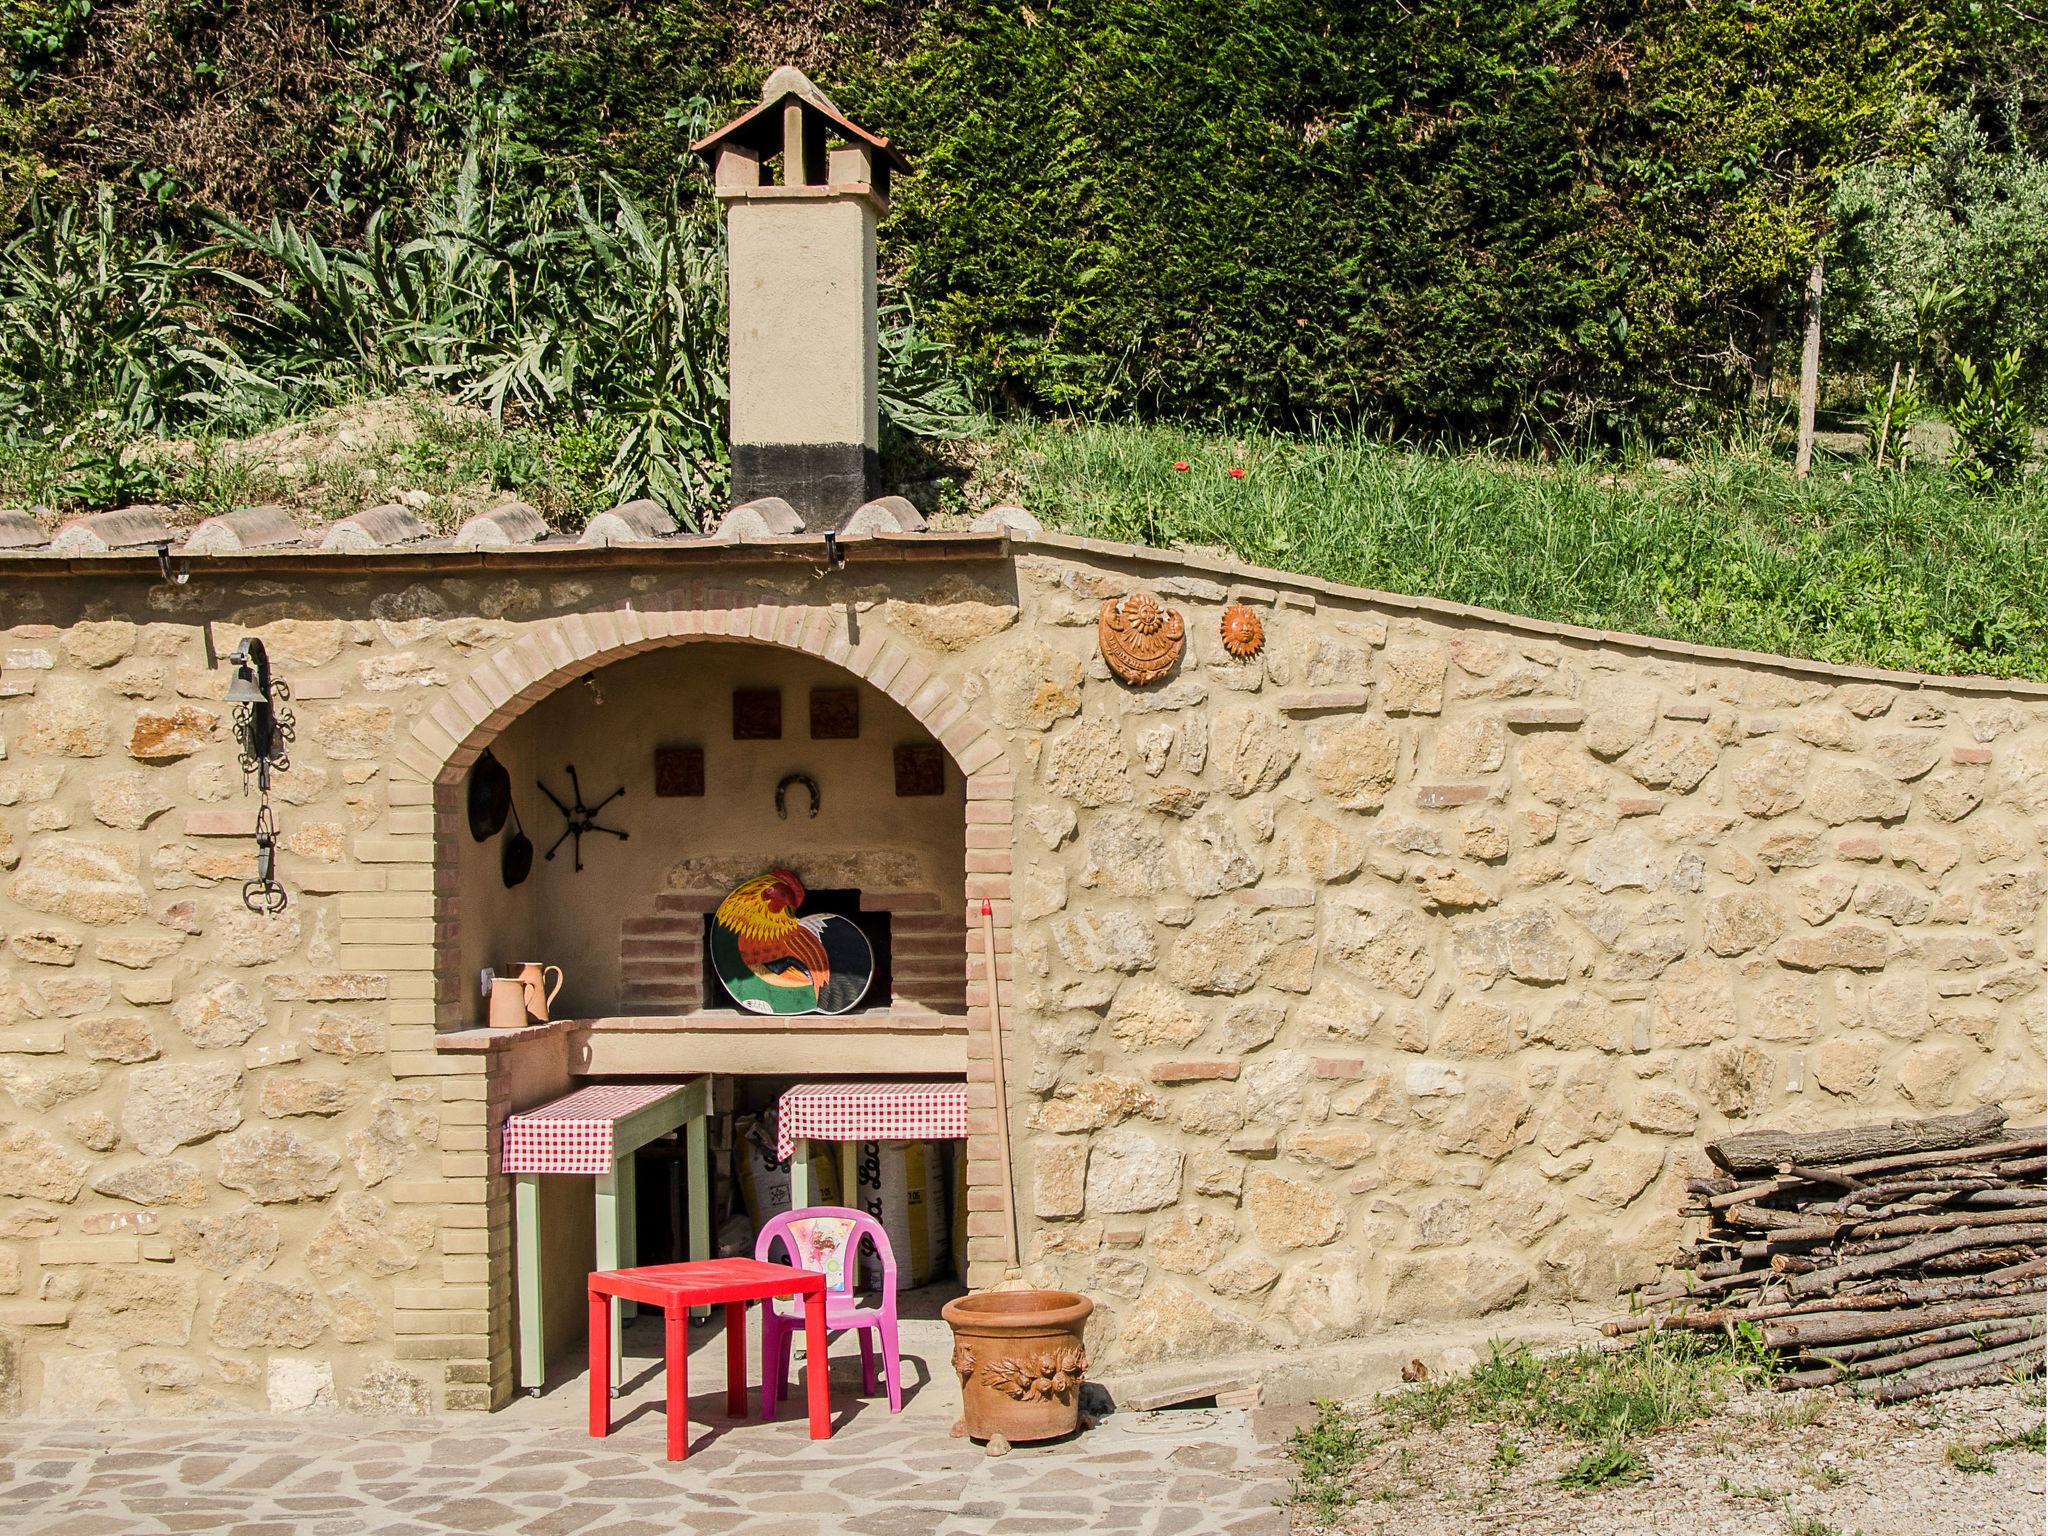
x=1459 y=220
x=553 y=308
x=1965 y=223
x=1993 y=433
x=97 y=327
x=587 y=312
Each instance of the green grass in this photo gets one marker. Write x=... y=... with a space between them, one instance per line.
x=1606 y=1398
x=1661 y=1380
x=1968 y=1456
x=1909 y=571
x=1616 y=1461
x=1326 y=1453
x=1754 y=1491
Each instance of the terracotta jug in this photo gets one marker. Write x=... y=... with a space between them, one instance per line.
x=533 y=976
x=508 y=1003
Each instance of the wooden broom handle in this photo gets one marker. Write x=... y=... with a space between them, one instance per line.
x=995 y=1026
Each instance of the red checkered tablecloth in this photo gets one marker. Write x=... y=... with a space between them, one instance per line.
x=574 y=1134
x=870 y=1112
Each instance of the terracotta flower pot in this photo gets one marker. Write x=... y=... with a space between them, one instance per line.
x=1020 y=1361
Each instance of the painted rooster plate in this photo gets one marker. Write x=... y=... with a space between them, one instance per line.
x=773 y=961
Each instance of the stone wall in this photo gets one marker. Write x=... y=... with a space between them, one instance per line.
x=1401 y=972
x=236 y=1172
x=1398 y=973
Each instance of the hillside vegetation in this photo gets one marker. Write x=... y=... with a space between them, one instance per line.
x=1444 y=217
x=1725 y=548
x=1537 y=245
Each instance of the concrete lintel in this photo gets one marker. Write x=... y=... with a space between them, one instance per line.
x=625 y=1047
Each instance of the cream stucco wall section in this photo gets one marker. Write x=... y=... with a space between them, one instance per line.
x=1397 y=974
x=804 y=344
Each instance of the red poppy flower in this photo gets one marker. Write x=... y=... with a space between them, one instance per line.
x=1235 y=473
x=1181 y=465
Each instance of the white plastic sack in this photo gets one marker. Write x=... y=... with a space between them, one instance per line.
x=903 y=1186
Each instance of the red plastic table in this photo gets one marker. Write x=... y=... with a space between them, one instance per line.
x=675 y=1288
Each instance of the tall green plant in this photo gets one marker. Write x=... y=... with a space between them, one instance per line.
x=587 y=311
x=553 y=308
x=96 y=327
x=1994 y=435
x=569 y=308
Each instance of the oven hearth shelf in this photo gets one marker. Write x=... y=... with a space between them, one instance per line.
x=905 y=1038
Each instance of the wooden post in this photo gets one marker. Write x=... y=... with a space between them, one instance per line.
x=800 y=1176
x=1884 y=426
x=612 y=1201
x=1899 y=456
x=849 y=1174
x=533 y=1353
x=697 y=1143
x=995 y=1026
x=1809 y=372
x=849 y=1186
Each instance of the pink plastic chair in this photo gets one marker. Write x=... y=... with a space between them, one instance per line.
x=827 y=1238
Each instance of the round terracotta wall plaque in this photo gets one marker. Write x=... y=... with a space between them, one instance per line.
x=1243 y=634
x=1140 y=639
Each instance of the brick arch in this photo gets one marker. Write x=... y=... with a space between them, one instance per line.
x=555 y=652
x=427 y=774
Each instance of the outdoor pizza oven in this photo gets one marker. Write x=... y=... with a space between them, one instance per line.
x=874 y=926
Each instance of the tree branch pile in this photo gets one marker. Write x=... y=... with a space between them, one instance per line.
x=1907 y=1256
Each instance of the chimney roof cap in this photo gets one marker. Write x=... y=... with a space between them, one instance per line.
x=761 y=128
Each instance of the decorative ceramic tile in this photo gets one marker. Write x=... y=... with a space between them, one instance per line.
x=757 y=714
x=678 y=771
x=920 y=769
x=835 y=714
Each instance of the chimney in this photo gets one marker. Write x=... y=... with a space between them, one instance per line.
x=802 y=371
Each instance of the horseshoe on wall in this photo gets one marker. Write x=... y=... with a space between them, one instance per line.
x=782 y=794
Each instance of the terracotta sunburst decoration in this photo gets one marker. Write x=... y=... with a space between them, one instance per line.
x=1243 y=633
x=1140 y=639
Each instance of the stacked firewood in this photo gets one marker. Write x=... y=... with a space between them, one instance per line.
x=1908 y=1255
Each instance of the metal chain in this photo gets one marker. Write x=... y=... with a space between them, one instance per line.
x=263 y=750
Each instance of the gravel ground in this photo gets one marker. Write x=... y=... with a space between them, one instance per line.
x=1765 y=1465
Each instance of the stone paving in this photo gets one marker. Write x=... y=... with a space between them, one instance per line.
x=532 y=1470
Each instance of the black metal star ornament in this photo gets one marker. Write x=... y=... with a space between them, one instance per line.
x=578 y=817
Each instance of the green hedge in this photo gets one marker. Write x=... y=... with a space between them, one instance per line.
x=1275 y=209
x=1471 y=217
x=1456 y=214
